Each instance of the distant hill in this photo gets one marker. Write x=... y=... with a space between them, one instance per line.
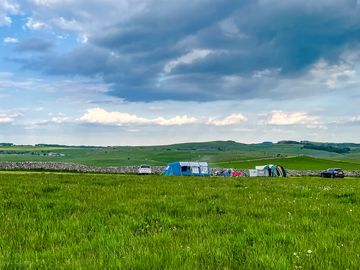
x=217 y=153
x=208 y=146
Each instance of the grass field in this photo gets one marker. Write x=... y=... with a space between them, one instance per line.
x=52 y=221
x=32 y=148
x=295 y=163
x=218 y=154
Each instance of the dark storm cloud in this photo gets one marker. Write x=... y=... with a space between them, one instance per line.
x=33 y=45
x=163 y=25
x=242 y=37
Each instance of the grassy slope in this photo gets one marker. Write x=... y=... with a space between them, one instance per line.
x=31 y=148
x=217 y=153
x=129 y=222
x=295 y=163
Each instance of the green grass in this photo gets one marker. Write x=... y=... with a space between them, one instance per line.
x=218 y=154
x=295 y=163
x=67 y=221
x=31 y=148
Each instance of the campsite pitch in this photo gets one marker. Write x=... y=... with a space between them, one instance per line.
x=89 y=221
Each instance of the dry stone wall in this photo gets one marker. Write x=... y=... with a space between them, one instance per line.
x=60 y=166
x=317 y=173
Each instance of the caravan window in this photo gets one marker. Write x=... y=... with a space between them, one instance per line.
x=204 y=170
x=195 y=170
x=185 y=168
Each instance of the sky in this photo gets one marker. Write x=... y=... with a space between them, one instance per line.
x=145 y=72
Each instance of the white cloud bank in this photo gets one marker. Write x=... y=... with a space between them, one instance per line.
x=8 y=118
x=282 y=118
x=101 y=116
x=232 y=119
x=355 y=119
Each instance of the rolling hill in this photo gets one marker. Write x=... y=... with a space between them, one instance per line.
x=291 y=154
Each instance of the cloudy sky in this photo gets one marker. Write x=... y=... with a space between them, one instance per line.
x=142 y=72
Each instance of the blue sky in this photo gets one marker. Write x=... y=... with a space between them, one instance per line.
x=134 y=72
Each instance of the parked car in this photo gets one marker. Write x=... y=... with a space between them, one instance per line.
x=333 y=173
x=144 y=169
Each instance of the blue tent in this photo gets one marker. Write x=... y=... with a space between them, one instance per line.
x=187 y=169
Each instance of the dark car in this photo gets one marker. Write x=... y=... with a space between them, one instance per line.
x=333 y=173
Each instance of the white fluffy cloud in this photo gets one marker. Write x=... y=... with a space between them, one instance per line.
x=101 y=116
x=7 y=7
x=232 y=119
x=10 y=40
x=286 y=118
x=4 y=119
x=355 y=119
x=8 y=118
x=35 y=25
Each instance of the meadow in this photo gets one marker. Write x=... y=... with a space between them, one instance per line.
x=217 y=154
x=295 y=163
x=94 y=221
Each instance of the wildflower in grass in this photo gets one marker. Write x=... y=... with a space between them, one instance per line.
x=309 y=251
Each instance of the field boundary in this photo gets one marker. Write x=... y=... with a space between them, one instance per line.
x=72 y=167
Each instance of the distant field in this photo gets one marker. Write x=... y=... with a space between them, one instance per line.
x=52 y=221
x=219 y=154
x=32 y=148
x=296 y=163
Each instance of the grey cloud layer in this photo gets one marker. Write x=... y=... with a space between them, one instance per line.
x=252 y=45
x=34 y=45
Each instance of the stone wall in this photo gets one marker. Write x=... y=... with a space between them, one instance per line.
x=317 y=173
x=60 y=166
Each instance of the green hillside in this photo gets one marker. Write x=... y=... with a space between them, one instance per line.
x=295 y=163
x=295 y=155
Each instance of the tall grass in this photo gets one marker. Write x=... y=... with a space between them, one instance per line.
x=51 y=221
